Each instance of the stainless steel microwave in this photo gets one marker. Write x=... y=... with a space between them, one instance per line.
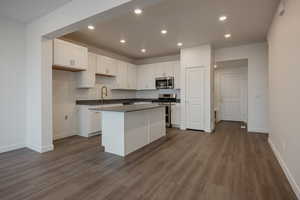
x=164 y=83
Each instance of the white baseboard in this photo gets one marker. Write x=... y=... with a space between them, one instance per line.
x=42 y=149
x=63 y=135
x=258 y=130
x=208 y=130
x=175 y=125
x=286 y=170
x=11 y=147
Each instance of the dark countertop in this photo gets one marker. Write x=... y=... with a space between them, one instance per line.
x=128 y=108
x=117 y=101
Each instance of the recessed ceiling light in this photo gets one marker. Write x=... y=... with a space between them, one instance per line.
x=143 y=50
x=179 y=44
x=91 y=27
x=123 y=41
x=164 y=31
x=227 y=35
x=222 y=18
x=138 y=11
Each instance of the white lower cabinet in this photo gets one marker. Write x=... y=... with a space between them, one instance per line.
x=124 y=133
x=176 y=117
x=90 y=122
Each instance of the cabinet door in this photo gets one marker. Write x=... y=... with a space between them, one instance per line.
x=169 y=69
x=146 y=77
x=175 y=116
x=70 y=55
x=95 y=122
x=121 y=75
x=157 y=70
x=165 y=69
x=109 y=66
x=100 y=69
x=150 y=77
x=62 y=53
x=80 y=55
x=86 y=79
x=131 y=76
x=141 y=82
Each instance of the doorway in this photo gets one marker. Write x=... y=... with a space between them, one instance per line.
x=231 y=90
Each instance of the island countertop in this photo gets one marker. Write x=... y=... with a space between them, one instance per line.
x=128 y=108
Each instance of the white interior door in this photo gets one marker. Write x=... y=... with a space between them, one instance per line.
x=195 y=98
x=233 y=95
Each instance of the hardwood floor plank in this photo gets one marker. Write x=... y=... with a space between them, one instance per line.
x=229 y=164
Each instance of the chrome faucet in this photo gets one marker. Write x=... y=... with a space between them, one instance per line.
x=103 y=93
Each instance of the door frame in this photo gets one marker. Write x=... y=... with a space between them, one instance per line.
x=217 y=93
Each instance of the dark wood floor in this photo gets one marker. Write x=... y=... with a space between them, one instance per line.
x=228 y=164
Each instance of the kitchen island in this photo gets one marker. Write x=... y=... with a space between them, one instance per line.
x=128 y=128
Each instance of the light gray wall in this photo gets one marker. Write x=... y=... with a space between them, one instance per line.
x=284 y=81
x=257 y=55
x=12 y=83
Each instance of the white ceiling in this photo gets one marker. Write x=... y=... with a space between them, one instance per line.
x=193 y=22
x=25 y=11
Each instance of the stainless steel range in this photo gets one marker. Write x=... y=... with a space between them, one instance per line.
x=168 y=100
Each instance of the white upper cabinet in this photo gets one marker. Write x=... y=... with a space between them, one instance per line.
x=164 y=69
x=126 y=76
x=131 y=76
x=146 y=77
x=121 y=79
x=69 y=56
x=148 y=73
x=86 y=79
x=106 y=66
